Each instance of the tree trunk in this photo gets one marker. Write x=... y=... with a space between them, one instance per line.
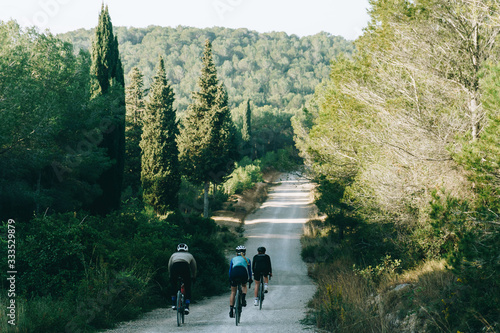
x=205 y=199
x=474 y=118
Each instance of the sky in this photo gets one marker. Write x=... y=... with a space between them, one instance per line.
x=345 y=18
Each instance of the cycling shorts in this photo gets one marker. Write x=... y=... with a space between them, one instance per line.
x=238 y=274
x=257 y=275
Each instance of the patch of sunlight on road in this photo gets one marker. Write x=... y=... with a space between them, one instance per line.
x=282 y=205
x=275 y=236
x=277 y=221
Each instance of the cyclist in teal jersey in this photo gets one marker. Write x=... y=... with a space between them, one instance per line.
x=240 y=271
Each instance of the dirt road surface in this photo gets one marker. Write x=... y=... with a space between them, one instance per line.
x=277 y=225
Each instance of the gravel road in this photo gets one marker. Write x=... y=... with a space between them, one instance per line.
x=277 y=225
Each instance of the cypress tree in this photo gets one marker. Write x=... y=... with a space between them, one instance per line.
x=107 y=84
x=160 y=174
x=207 y=139
x=223 y=144
x=135 y=109
x=246 y=130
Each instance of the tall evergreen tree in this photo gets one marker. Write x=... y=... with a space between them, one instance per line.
x=135 y=109
x=246 y=131
x=223 y=144
x=107 y=83
x=207 y=142
x=160 y=174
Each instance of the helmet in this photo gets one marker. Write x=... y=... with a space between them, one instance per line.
x=261 y=249
x=182 y=247
x=241 y=248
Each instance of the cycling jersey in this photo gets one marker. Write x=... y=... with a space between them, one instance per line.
x=240 y=261
x=262 y=264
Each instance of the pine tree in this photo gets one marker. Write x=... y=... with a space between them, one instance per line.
x=135 y=110
x=107 y=83
x=246 y=131
x=160 y=174
x=207 y=138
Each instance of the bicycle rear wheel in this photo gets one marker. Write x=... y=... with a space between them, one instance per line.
x=180 y=309
x=237 y=306
x=261 y=292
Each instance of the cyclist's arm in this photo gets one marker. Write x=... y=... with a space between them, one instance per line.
x=230 y=268
x=170 y=261
x=194 y=269
x=270 y=267
x=249 y=271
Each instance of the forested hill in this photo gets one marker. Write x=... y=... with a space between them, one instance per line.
x=272 y=69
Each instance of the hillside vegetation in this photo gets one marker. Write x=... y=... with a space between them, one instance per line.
x=99 y=177
x=273 y=70
x=403 y=140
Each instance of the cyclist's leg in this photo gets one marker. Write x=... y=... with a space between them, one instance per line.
x=244 y=288
x=174 y=275
x=185 y=272
x=256 y=280
x=231 y=298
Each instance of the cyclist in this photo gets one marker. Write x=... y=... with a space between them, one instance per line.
x=240 y=271
x=261 y=266
x=182 y=264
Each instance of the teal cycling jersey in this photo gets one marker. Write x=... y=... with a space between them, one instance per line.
x=240 y=261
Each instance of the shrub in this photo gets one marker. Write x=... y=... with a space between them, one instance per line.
x=94 y=271
x=243 y=178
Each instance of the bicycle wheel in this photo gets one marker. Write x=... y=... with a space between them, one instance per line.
x=261 y=292
x=237 y=306
x=183 y=308
x=180 y=309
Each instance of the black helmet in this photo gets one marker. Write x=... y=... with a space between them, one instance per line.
x=261 y=249
x=182 y=247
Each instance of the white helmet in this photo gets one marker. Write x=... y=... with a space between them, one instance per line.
x=182 y=247
x=241 y=248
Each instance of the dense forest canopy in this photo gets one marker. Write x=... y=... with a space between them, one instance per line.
x=271 y=69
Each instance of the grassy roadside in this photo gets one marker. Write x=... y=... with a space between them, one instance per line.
x=353 y=296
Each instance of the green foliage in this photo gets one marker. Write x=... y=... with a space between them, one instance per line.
x=284 y=160
x=108 y=83
x=387 y=269
x=471 y=250
x=134 y=98
x=243 y=177
x=95 y=271
x=207 y=143
x=49 y=131
x=160 y=172
x=272 y=69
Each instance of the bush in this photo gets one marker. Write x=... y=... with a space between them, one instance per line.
x=243 y=178
x=94 y=271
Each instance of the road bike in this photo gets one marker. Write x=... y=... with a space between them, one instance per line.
x=261 y=292
x=238 y=303
x=180 y=303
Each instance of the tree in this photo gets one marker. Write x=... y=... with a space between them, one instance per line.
x=135 y=109
x=108 y=84
x=48 y=159
x=223 y=138
x=207 y=140
x=160 y=174
x=246 y=131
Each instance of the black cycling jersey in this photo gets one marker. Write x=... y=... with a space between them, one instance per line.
x=262 y=264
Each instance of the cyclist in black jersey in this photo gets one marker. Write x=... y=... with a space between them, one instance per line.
x=261 y=265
